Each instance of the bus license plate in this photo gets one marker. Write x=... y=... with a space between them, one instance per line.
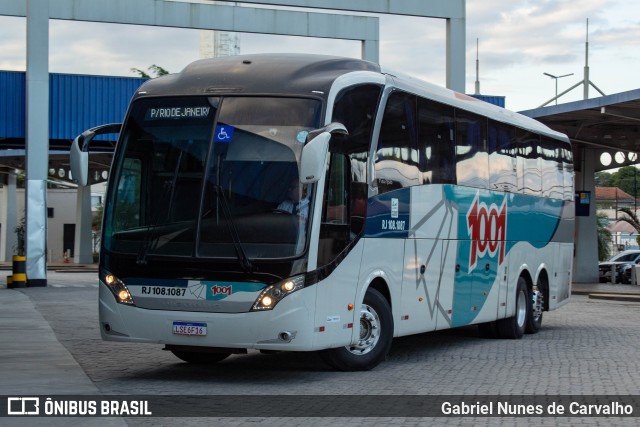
x=189 y=328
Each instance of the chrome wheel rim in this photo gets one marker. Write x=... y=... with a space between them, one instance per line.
x=537 y=303
x=521 y=308
x=369 y=331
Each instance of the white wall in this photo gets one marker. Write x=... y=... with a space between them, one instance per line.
x=63 y=202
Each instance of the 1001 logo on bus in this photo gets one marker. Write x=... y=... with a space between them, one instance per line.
x=487 y=228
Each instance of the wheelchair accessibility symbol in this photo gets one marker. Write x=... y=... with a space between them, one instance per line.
x=224 y=133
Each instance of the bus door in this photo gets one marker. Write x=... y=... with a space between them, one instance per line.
x=429 y=262
x=421 y=284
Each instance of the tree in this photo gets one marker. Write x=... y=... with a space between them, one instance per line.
x=158 y=70
x=155 y=69
x=626 y=180
x=603 y=179
x=96 y=230
x=604 y=237
x=632 y=219
x=21 y=231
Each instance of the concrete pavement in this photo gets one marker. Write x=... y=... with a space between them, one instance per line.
x=34 y=362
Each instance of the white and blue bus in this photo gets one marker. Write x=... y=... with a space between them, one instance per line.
x=315 y=203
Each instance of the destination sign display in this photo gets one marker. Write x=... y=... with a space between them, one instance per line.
x=177 y=113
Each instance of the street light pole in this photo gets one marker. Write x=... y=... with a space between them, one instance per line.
x=556 y=79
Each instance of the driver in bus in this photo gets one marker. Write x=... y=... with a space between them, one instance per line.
x=297 y=202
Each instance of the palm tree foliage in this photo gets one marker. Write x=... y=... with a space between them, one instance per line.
x=155 y=69
x=630 y=217
x=604 y=237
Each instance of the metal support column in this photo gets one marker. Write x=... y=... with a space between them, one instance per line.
x=585 y=266
x=371 y=50
x=83 y=253
x=456 y=54
x=8 y=218
x=37 y=139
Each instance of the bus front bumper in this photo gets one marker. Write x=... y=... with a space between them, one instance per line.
x=288 y=327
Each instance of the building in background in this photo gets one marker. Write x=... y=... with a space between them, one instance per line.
x=61 y=222
x=608 y=202
x=214 y=44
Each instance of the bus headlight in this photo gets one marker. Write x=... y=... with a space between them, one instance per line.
x=271 y=295
x=118 y=289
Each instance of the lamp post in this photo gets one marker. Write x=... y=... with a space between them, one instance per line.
x=556 y=79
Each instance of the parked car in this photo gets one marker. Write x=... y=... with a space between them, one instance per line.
x=623 y=262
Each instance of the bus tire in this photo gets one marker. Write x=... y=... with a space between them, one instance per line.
x=537 y=301
x=513 y=327
x=200 y=357
x=376 y=334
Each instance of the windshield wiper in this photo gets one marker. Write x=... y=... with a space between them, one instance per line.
x=245 y=262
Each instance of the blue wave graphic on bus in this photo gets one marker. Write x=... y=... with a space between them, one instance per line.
x=489 y=225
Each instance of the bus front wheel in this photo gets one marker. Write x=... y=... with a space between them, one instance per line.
x=514 y=327
x=376 y=334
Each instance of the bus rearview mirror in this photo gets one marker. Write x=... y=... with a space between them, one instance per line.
x=79 y=153
x=79 y=162
x=314 y=158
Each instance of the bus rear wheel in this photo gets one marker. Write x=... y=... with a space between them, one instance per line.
x=376 y=334
x=513 y=327
x=536 y=299
x=200 y=357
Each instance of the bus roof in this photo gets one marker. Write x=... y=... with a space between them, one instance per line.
x=469 y=103
x=309 y=74
x=293 y=74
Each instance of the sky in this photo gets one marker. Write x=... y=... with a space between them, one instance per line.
x=519 y=40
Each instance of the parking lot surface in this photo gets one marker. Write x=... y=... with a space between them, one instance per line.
x=589 y=347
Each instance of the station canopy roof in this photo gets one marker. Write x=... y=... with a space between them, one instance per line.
x=610 y=124
x=59 y=170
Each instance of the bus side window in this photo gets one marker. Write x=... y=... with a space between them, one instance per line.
x=334 y=228
x=356 y=108
x=396 y=159
x=336 y=196
x=567 y=167
x=551 y=168
x=472 y=160
x=528 y=149
x=502 y=158
x=436 y=143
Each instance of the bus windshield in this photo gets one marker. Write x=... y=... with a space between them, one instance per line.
x=211 y=177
